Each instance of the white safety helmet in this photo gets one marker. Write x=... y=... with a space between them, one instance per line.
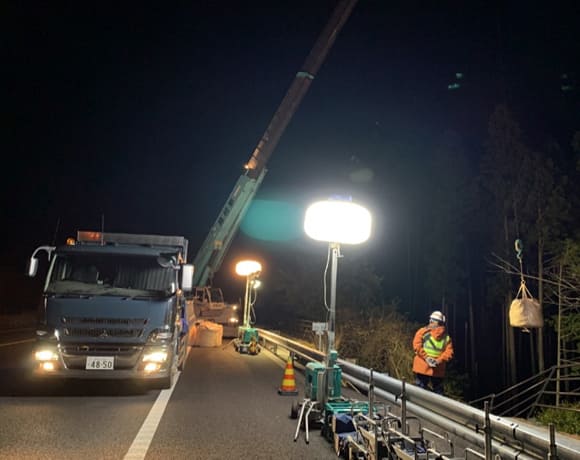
x=437 y=316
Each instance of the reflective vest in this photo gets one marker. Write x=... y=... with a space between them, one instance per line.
x=434 y=347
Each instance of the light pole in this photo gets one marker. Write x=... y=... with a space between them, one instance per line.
x=335 y=222
x=254 y=285
x=251 y=270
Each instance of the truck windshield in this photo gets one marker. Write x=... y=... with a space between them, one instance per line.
x=111 y=274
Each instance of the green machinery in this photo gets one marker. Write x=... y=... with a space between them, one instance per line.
x=247 y=341
x=323 y=382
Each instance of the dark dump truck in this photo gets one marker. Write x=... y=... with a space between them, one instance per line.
x=114 y=307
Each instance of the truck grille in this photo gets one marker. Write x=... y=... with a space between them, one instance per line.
x=127 y=328
x=126 y=356
x=98 y=349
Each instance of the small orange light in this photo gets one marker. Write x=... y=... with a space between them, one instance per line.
x=253 y=162
x=70 y=241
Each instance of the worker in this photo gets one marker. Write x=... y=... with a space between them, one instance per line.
x=433 y=350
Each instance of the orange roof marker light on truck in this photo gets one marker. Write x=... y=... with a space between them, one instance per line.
x=94 y=237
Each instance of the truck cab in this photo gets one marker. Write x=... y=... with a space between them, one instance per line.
x=114 y=307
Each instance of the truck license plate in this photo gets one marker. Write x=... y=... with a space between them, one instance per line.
x=100 y=363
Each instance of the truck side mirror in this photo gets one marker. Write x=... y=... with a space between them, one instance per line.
x=32 y=267
x=187 y=277
x=33 y=262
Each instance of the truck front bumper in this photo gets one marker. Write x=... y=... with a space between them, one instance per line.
x=120 y=361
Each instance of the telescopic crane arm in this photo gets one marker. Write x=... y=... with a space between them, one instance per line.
x=298 y=88
x=209 y=258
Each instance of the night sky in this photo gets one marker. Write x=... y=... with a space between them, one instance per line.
x=143 y=114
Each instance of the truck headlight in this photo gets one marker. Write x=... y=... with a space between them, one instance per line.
x=155 y=357
x=47 y=359
x=234 y=320
x=45 y=355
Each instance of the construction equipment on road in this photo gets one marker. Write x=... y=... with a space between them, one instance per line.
x=369 y=430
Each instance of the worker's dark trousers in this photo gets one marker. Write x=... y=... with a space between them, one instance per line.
x=429 y=382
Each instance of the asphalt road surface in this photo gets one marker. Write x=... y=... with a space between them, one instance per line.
x=225 y=405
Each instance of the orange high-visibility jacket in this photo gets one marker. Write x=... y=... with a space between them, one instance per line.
x=442 y=354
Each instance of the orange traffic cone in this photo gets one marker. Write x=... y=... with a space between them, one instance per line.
x=288 y=387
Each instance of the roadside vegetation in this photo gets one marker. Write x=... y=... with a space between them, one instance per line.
x=565 y=419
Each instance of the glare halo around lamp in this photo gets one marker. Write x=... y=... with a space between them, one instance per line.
x=336 y=222
x=248 y=267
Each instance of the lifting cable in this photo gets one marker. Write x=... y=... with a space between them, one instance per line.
x=519 y=247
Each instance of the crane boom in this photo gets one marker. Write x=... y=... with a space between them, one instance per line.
x=209 y=258
x=298 y=88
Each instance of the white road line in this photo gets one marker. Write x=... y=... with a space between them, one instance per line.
x=7 y=344
x=142 y=441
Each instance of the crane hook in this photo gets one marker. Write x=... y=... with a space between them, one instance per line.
x=519 y=246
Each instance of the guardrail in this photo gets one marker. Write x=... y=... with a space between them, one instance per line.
x=496 y=435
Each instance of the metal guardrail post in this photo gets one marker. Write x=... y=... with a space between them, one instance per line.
x=487 y=433
x=553 y=455
x=403 y=397
x=371 y=394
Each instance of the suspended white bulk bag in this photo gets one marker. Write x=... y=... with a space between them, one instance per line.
x=525 y=311
x=209 y=334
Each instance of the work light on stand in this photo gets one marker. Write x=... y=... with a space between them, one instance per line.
x=335 y=222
